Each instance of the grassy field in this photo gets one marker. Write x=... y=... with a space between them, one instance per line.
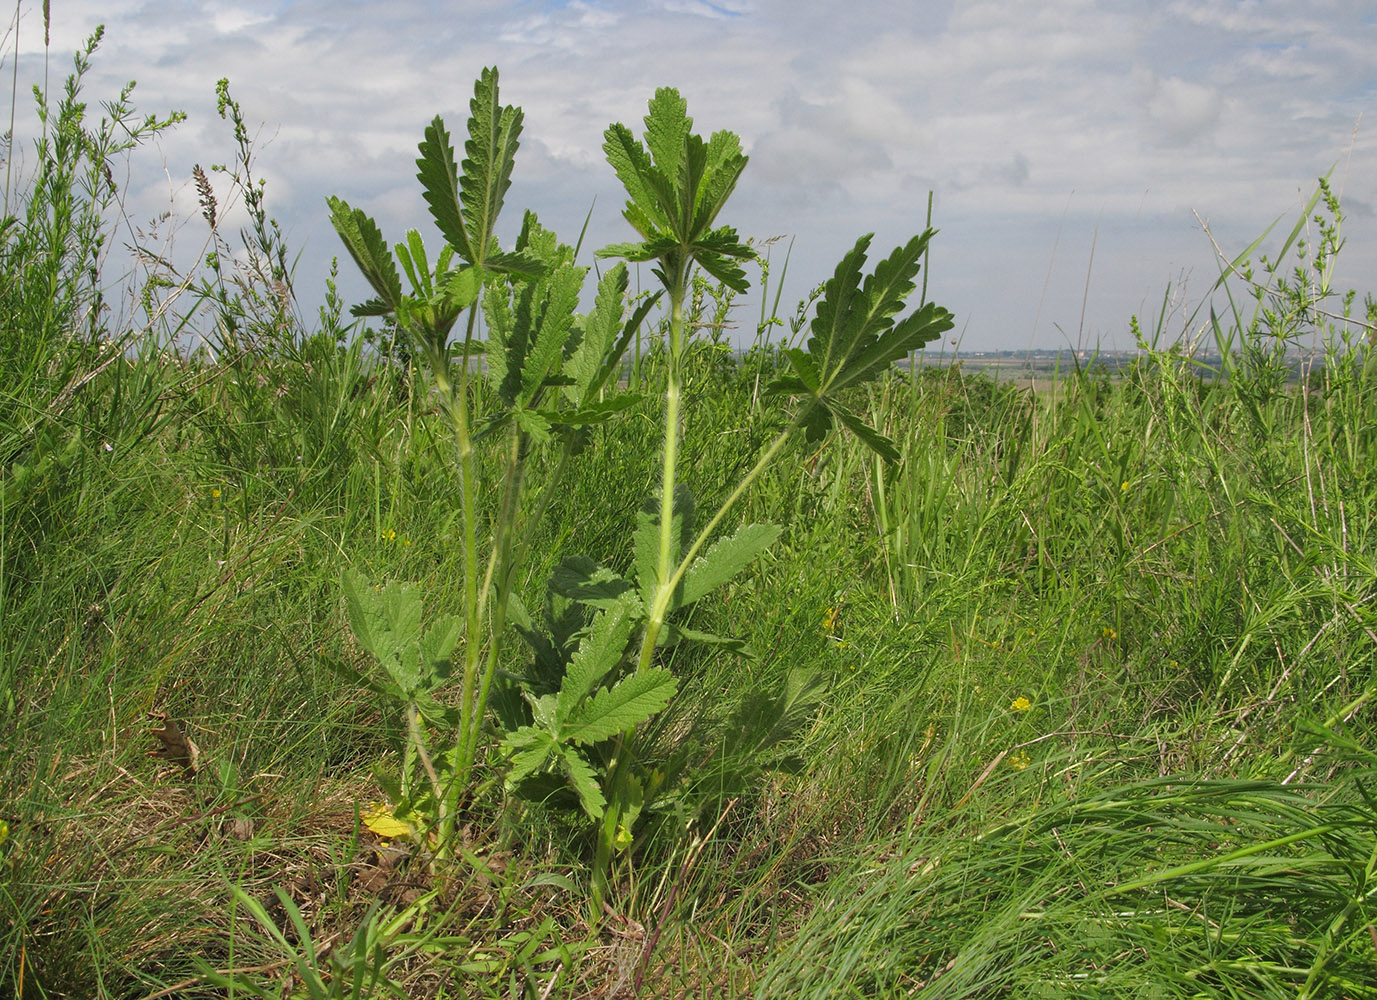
x=1072 y=699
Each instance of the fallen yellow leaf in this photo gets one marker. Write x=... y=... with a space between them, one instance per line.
x=378 y=818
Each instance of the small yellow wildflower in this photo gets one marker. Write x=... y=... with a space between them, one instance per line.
x=215 y=494
x=1020 y=704
x=1109 y=633
x=1019 y=761
x=1123 y=487
x=829 y=620
x=406 y=542
x=389 y=535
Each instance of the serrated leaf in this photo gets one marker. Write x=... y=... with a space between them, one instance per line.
x=387 y=622
x=646 y=541
x=832 y=322
x=581 y=579
x=533 y=423
x=725 y=559
x=560 y=296
x=489 y=154
x=614 y=710
x=599 y=334
x=911 y=334
x=532 y=748
x=867 y=435
x=593 y=413
x=585 y=782
x=630 y=162
x=598 y=654
x=612 y=362
x=366 y=245
x=439 y=177
x=667 y=127
x=673 y=634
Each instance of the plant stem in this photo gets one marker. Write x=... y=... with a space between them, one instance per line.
x=673 y=390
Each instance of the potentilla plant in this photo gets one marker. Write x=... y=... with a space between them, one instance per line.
x=597 y=673
x=677 y=186
x=553 y=377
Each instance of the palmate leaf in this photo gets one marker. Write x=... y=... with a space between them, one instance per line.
x=676 y=191
x=725 y=559
x=854 y=339
x=614 y=710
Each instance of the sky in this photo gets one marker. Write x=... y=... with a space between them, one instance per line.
x=1075 y=149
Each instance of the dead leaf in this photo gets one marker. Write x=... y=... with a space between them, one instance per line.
x=378 y=818
x=173 y=745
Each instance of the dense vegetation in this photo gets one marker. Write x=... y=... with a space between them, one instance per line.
x=1071 y=697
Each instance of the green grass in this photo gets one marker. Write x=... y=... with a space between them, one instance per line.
x=1176 y=572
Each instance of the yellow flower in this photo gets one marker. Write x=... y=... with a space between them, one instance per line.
x=389 y=535
x=1109 y=633
x=1020 y=704
x=1123 y=487
x=1019 y=761
x=829 y=620
x=215 y=494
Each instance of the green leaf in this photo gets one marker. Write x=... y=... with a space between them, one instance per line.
x=599 y=335
x=593 y=413
x=438 y=643
x=612 y=361
x=868 y=436
x=614 y=710
x=366 y=245
x=646 y=541
x=676 y=192
x=489 y=154
x=532 y=423
x=672 y=635
x=387 y=622
x=530 y=748
x=559 y=294
x=854 y=337
x=598 y=654
x=725 y=559
x=585 y=782
x=581 y=579
x=667 y=129
x=439 y=177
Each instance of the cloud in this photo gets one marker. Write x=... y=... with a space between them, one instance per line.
x=1177 y=112
x=1037 y=125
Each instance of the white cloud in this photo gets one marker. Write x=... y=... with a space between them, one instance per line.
x=1036 y=124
